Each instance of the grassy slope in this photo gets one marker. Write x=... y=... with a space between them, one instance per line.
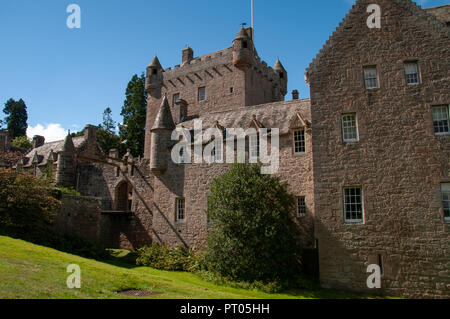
x=31 y=271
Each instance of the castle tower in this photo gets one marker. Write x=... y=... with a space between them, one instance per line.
x=161 y=133
x=282 y=75
x=66 y=168
x=154 y=78
x=243 y=49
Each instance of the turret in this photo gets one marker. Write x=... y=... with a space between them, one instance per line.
x=161 y=133
x=65 y=174
x=154 y=78
x=282 y=76
x=243 y=49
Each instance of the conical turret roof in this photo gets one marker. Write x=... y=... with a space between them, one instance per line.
x=164 y=119
x=242 y=35
x=278 y=66
x=68 y=144
x=155 y=63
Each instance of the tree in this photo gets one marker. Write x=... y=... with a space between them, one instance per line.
x=22 y=142
x=16 y=117
x=132 y=131
x=106 y=134
x=252 y=235
x=26 y=202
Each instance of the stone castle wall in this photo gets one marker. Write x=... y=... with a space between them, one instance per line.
x=398 y=161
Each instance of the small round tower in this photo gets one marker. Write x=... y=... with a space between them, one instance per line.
x=243 y=49
x=154 y=77
x=161 y=136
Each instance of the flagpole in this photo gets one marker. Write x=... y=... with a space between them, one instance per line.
x=253 y=27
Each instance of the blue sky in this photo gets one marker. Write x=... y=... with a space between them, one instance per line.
x=67 y=77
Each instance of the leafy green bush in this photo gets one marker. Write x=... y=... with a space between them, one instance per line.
x=252 y=236
x=26 y=201
x=163 y=257
x=21 y=142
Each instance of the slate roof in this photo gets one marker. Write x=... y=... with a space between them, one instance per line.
x=51 y=149
x=271 y=115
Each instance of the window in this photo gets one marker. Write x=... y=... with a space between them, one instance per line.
x=349 y=128
x=445 y=190
x=154 y=71
x=353 y=207
x=299 y=142
x=254 y=147
x=175 y=98
x=441 y=119
x=301 y=206
x=370 y=77
x=202 y=94
x=412 y=73
x=217 y=151
x=245 y=45
x=179 y=205
x=231 y=90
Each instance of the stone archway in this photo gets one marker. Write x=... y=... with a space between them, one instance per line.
x=123 y=197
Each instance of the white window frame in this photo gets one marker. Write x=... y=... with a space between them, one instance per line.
x=344 y=128
x=368 y=80
x=415 y=74
x=217 y=152
x=253 y=147
x=445 y=193
x=344 y=201
x=180 y=209
x=200 y=97
x=301 y=209
x=298 y=143
x=446 y=111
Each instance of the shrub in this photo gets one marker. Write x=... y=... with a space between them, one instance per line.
x=22 y=142
x=163 y=257
x=25 y=201
x=252 y=236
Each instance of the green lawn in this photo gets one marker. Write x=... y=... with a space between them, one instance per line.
x=31 y=271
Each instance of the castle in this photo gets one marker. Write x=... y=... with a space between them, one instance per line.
x=367 y=156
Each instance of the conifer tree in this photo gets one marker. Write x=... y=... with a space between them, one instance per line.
x=132 y=131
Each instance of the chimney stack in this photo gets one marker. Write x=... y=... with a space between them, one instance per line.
x=38 y=141
x=295 y=95
x=188 y=55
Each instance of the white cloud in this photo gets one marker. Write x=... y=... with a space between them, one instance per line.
x=51 y=132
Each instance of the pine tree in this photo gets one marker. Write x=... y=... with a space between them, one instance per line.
x=106 y=135
x=132 y=131
x=16 y=117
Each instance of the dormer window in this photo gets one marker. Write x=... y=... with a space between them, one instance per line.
x=299 y=142
x=253 y=147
